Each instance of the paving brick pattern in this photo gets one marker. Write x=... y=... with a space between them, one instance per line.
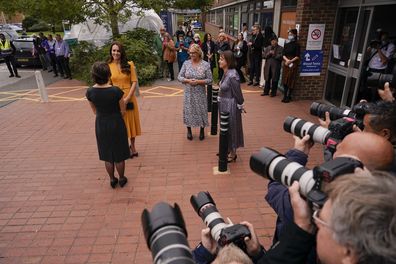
x=56 y=204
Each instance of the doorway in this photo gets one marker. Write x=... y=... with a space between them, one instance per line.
x=355 y=27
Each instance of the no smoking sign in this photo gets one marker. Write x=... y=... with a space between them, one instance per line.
x=315 y=36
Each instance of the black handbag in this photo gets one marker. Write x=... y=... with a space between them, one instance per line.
x=129 y=106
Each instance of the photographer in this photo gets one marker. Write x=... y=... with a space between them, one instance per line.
x=373 y=151
x=292 y=248
x=379 y=52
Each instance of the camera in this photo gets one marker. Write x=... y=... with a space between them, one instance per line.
x=223 y=233
x=338 y=129
x=378 y=80
x=166 y=235
x=357 y=113
x=375 y=43
x=272 y=165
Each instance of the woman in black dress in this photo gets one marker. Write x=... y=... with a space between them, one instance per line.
x=291 y=58
x=111 y=135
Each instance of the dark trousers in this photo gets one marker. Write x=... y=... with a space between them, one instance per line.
x=11 y=64
x=180 y=64
x=171 y=72
x=63 y=64
x=53 y=63
x=255 y=68
x=271 y=83
x=238 y=69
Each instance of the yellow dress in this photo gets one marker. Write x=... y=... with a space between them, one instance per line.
x=124 y=82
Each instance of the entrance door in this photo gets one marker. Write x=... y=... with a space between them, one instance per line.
x=346 y=59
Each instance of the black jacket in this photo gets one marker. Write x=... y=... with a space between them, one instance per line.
x=257 y=45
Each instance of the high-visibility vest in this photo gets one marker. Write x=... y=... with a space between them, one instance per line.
x=5 y=47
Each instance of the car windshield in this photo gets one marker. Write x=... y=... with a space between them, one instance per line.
x=23 y=45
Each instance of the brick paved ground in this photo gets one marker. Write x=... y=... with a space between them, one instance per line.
x=56 y=205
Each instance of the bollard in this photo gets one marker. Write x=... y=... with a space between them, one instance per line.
x=209 y=95
x=41 y=86
x=223 y=141
x=215 y=110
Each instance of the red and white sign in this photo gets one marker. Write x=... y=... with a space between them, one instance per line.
x=315 y=36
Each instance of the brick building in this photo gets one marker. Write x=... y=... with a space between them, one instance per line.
x=343 y=29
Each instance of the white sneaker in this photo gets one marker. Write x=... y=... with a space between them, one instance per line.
x=169 y=79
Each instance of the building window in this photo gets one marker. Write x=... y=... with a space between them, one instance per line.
x=289 y=3
x=232 y=21
x=219 y=17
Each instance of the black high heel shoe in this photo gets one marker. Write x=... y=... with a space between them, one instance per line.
x=189 y=134
x=232 y=159
x=202 y=134
x=123 y=181
x=113 y=182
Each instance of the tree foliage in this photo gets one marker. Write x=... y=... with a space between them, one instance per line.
x=102 y=11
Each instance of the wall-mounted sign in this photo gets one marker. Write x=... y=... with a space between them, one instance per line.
x=315 y=36
x=311 y=64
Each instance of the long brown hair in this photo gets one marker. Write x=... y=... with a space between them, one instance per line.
x=125 y=67
x=228 y=56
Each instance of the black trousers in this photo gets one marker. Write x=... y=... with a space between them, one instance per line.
x=170 y=68
x=63 y=64
x=11 y=64
x=271 y=83
x=238 y=69
x=53 y=63
x=255 y=67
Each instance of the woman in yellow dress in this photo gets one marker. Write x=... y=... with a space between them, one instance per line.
x=124 y=76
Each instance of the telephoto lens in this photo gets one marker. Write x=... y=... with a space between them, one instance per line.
x=205 y=207
x=271 y=164
x=319 y=110
x=166 y=235
x=300 y=128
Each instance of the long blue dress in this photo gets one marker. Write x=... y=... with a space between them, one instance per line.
x=230 y=96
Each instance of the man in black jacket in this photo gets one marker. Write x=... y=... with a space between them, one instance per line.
x=256 y=46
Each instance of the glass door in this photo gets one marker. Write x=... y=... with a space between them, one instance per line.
x=346 y=55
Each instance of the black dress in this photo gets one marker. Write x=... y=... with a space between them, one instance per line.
x=111 y=134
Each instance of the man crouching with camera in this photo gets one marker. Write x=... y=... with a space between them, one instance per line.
x=356 y=225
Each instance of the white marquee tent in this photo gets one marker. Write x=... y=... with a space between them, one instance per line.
x=100 y=34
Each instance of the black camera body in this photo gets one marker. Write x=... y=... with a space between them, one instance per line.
x=234 y=234
x=375 y=43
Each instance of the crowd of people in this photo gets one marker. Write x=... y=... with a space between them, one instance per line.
x=54 y=54
x=251 y=51
x=356 y=224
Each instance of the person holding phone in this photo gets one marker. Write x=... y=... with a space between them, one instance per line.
x=123 y=75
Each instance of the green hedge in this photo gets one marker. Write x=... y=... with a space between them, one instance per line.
x=139 y=46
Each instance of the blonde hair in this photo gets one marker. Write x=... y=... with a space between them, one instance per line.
x=232 y=254
x=196 y=48
x=196 y=35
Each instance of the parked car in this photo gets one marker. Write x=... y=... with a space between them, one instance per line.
x=9 y=32
x=24 y=52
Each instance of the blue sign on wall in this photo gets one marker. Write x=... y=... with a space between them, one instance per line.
x=166 y=18
x=311 y=63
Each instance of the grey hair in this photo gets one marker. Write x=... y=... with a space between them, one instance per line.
x=364 y=215
x=232 y=254
x=196 y=48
